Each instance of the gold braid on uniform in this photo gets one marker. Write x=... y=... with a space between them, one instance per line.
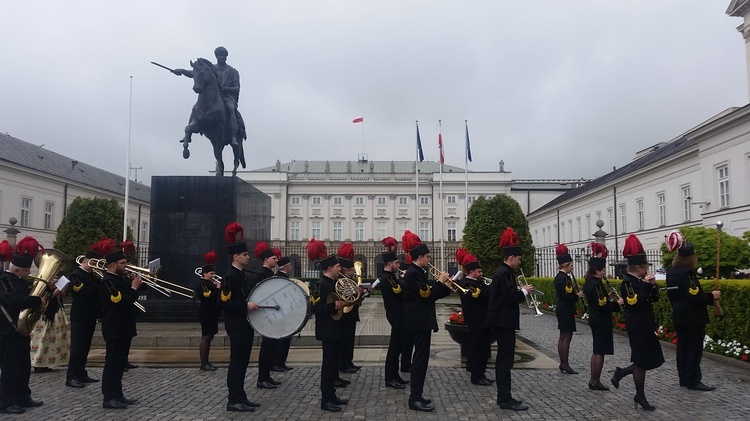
x=206 y=290
x=569 y=284
x=77 y=286
x=225 y=295
x=631 y=296
x=424 y=293
x=395 y=287
x=694 y=286
x=476 y=291
x=600 y=294
x=115 y=298
x=315 y=297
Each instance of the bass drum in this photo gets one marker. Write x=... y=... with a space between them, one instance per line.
x=287 y=308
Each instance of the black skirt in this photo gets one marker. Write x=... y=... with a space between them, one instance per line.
x=645 y=350
x=603 y=342
x=566 y=322
x=209 y=322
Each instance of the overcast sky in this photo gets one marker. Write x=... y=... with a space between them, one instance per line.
x=556 y=89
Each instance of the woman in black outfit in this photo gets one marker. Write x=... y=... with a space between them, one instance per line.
x=207 y=292
x=566 y=306
x=639 y=292
x=600 y=313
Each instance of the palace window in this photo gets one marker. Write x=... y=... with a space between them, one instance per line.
x=381 y=230
x=25 y=212
x=359 y=231
x=315 y=229
x=452 y=230
x=687 y=204
x=359 y=200
x=403 y=201
x=338 y=231
x=641 y=217
x=294 y=230
x=723 y=176
x=49 y=208
x=424 y=231
x=661 y=200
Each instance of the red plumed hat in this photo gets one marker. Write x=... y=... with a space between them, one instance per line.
x=599 y=254
x=316 y=249
x=633 y=251
x=563 y=256
x=413 y=246
x=210 y=257
x=460 y=255
x=468 y=261
x=128 y=248
x=103 y=247
x=277 y=253
x=675 y=240
x=233 y=233
x=390 y=243
x=346 y=250
x=26 y=251
x=6 y=251
x=510 y=243
x=263 y=250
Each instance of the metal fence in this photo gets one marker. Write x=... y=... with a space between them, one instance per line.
x=546 y=265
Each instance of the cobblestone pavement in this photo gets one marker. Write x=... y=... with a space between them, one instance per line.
x=188 y=394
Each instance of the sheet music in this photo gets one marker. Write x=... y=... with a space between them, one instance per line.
x=62 y=283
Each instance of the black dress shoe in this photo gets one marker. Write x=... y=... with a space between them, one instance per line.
x=273 y=382
x=207 y=367
x=356 y=367
x=251 y=404
x=277 y=369
x=239 y=407
x=31 y=403
x=567 y=369
x=330 y=407
x=702 y=387
x=130 y=366
x=12 y=409
x=286 y=367
x=402 y=381
x=339 y=383
x=615 y=380
x=514 y=405
x=75 y=383
x=597 y=386
x=395 y=384
x=482 y=382
x=266 y=385
x=418 y=405
x=348 y=370
x=88 y=379
x=425 y=400
x=114 y=404
x=489 y=380
x=42 y=369
x=127 y=401
x=340 y=401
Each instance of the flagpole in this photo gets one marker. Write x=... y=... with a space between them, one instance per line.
x=466 y=156
x=416 y=177
x=442 y=204
x=127 y=165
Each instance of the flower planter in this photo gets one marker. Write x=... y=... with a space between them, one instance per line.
x=460 y=335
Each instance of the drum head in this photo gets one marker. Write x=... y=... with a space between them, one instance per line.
x=291 y=315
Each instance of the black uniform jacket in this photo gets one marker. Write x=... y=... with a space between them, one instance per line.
x=392 y=301
x=84 y=292
x=600 y=313
x=566 y=301
x=505 y=296
x=208 y=294
x=639 y=316
x=235 y=308
x=14 y=297
x=282 y=274
x=688 y=308
x=327 y=329
x=118 y=318
x=475 y=309
x=419 y=312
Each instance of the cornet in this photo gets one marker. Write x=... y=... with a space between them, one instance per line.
x=531 y=300
x=435 y=272
x=216 y=278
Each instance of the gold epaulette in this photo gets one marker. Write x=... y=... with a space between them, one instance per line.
x=77 y=286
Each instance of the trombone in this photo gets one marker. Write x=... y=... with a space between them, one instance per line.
x=164 y=287
x=100 y=274
x=531 y=301
x=216 y=278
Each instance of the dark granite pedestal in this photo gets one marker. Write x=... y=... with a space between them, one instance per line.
x=188 y=216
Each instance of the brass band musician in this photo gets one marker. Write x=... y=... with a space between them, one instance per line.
x=391 y=289
x=207 y=293
x=268 y=346
x=282 y=352
x=567 y=297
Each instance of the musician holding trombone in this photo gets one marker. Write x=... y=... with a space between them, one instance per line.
x=601 y=306
x=568 y=294
x=503 y=316
x=688 y=311
x=207 y=293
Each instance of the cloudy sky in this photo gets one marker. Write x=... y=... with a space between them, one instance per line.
x=556 y=89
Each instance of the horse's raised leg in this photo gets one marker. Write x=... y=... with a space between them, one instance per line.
x=189 y=130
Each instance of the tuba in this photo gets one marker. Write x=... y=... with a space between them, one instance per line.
x=50 y=263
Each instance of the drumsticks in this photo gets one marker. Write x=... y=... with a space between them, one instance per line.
x=276 y=307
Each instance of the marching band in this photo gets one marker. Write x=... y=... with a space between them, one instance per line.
x=104 y=286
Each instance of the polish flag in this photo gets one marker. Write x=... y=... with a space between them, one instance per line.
x=440 y=144
x=359 y=119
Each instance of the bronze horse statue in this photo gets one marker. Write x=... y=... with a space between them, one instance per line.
x=209 y=117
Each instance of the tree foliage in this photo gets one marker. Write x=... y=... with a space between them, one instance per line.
x=87 y=221
x=735 y=251
x=485 y=224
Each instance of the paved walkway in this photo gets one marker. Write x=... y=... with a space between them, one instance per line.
x=184 y=393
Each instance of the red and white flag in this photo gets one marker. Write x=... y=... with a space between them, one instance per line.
x=359 y=119
x=440 y=144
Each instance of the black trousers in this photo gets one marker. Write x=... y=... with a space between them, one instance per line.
x=395 y=349
x=268 y=348
x=347 y=345
x=419 y=362
x=114 y=367
x=15 y=369
x=506 y=351
x=689 y=353
x=240 y=346
x=329 y=369
x=479 y=351
x=81 y=332
x=407 y=350
x=283 y=351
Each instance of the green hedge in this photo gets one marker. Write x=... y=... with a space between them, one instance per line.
x=735 y=298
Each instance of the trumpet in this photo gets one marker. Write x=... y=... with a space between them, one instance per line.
x=487 y=281
x=435 y=272
x=215 y=278
x=531 y=301
x=100 y=274
x=164 y=287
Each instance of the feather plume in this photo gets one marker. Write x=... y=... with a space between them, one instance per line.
x=675 y=240
x=346 y=250
x=210 y=257
x=6 y=251
x=598 y=250
x=104 y=246
x=29 y=247
x=632 y=247
x=233 y=233
x=561 y=250
x=468 y=258
x=128 y=248
x=408 y=241
x=390 y=243
x=277 y=253
x=316 y=249
x=260 y=247
x=460 y=255
x=509 y=238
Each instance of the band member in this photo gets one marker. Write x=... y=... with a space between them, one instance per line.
x=390 y=287
x=474 y=307
x=503 y=316
x=207 y=291
x=345 y=256
x=639 y=294
x=85 y=309
x=268 y=346
x=601 y=307
x=566 y=306
x=117 y=294
x=282 y=352
x=419 y=303
x=235 y=289
x=15 y=357
x=688 y=311
x=327 y=329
